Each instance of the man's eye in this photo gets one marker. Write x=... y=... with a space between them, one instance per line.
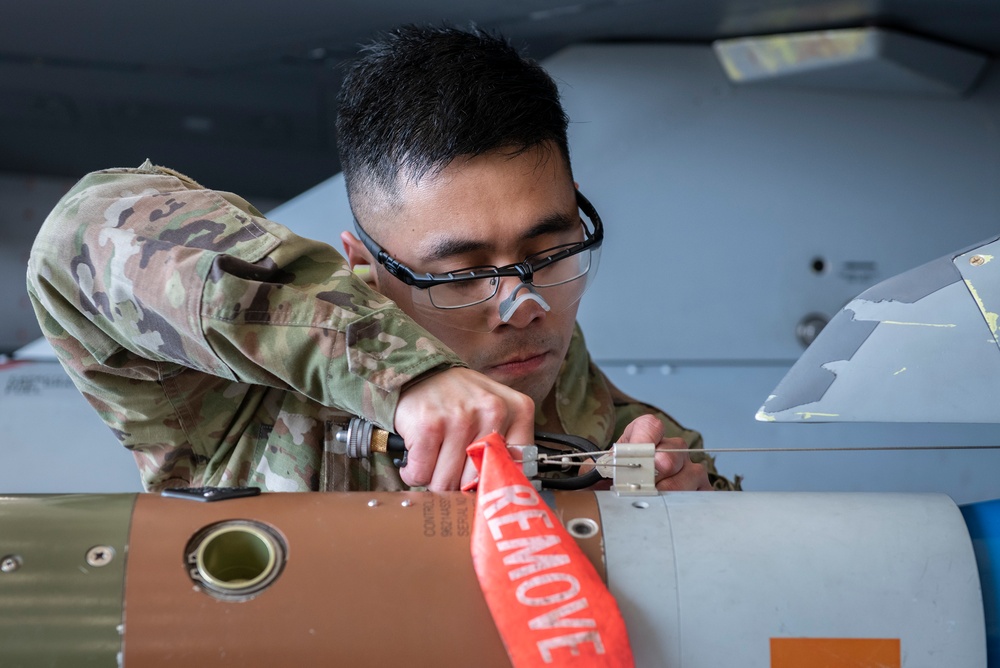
x=466 y=287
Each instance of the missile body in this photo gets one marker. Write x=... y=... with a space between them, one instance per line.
x=702 y=579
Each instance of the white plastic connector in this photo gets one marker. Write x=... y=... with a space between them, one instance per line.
x=633 y=470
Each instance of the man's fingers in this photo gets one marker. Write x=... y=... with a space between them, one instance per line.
x=469 y=473
x=690 y=478
x=439 y=417
x=669 y=463
x=436 y=457
x=451 y=462
x=423 y=445
x=521 y=428
x=674 y=470
x=643 y=429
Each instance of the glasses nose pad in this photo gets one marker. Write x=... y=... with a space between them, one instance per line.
x=513 y=302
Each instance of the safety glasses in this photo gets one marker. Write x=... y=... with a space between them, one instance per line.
x=555 y=279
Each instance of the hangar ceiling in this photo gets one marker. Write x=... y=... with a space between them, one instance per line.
x=242 y=96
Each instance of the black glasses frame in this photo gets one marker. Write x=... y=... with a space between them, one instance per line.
x=524 y=269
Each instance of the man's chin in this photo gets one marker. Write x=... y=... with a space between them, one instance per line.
x=526 y=361
x=537 y=386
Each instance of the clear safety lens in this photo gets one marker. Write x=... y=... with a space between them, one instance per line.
x=464 y=292
x=469 y=304
x=562 y=271
x=478 y=284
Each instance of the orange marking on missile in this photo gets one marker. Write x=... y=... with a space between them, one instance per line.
x=835 y=653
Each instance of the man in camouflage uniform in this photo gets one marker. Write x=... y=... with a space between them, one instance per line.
x=224 y=350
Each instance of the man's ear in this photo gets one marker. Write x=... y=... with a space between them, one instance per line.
x=360 y=260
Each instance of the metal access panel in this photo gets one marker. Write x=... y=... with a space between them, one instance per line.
x=733 y=213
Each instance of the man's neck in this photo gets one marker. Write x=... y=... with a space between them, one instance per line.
x=547 y=417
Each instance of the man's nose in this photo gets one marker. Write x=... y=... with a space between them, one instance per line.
x=521 y=304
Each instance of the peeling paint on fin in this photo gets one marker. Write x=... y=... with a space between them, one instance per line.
x=806 y=415
x=915 y=284
x=991 y=318
x=923 y=346
x=808 y=380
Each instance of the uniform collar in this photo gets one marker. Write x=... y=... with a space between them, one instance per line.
x=582 y=398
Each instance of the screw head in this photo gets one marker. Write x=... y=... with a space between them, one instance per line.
x=977 y=260
x=10 y=563
x=373 y=503
x=406 y=503
x=100 y=555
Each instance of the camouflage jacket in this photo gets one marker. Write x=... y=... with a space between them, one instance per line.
x=222 y=349
x=589 y=405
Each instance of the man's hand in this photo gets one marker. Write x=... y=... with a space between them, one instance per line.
x=441 y=416
x=675 y=472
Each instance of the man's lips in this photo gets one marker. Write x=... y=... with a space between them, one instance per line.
x=521 y=364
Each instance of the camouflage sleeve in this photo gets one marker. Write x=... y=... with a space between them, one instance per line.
x=148 y=261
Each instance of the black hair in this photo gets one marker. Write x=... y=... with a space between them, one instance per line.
x=420 y=96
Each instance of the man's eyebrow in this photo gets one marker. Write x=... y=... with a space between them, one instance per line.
x=446 y=247
x=557 y=222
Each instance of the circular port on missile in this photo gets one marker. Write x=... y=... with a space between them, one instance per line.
x=582 y=527
x=236 y=559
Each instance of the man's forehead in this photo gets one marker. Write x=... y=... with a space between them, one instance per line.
x=484 y=203
x=442 y=240
x=542 y=164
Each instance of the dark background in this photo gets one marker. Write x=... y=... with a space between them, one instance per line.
x=242 y=95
